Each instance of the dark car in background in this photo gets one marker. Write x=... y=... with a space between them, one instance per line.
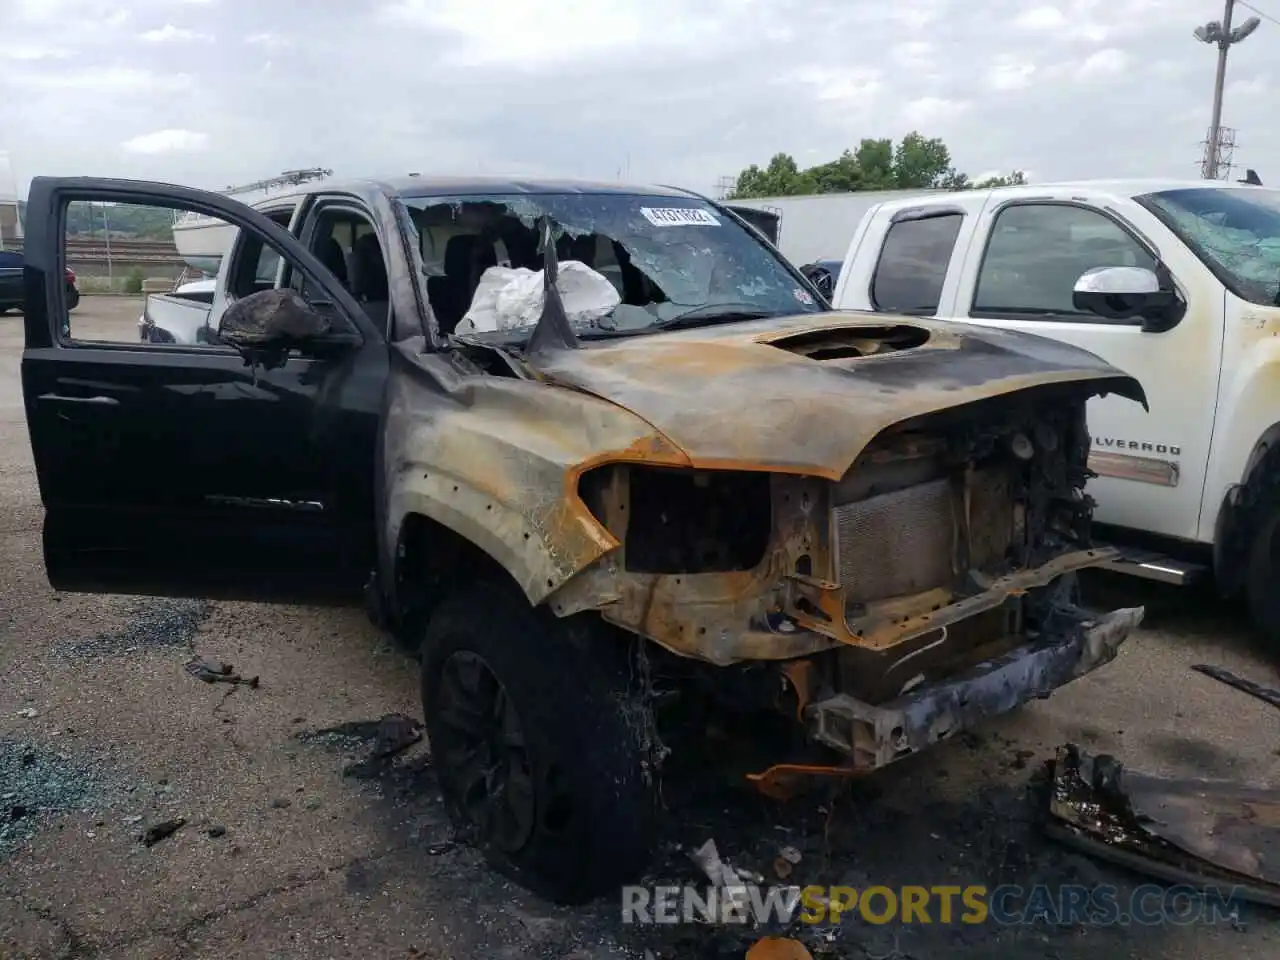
x=823 y=274
x=11 y=264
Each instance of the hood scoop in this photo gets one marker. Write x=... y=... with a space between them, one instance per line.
x=848 y=343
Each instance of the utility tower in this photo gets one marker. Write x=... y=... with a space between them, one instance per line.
x=1220 y=154
x=1221 y=35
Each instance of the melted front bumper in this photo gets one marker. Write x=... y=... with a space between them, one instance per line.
x=876 y=735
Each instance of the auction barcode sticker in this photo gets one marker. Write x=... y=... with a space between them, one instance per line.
x=679 y=217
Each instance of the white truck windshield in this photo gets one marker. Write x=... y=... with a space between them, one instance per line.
x=1235 y=231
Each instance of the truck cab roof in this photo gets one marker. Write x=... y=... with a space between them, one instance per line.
x=414 y=185
x=1118 y=188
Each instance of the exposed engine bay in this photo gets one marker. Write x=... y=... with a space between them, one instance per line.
x=948 y=546
x=937 y=520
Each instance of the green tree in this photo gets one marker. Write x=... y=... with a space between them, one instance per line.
x=781 y=178
x=842 y=175
x=127 y=220
x=1015 y=179
x=920 y=163
x=875 y=159
x=915 y=163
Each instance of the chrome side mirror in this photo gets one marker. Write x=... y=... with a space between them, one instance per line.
x=1129 y=293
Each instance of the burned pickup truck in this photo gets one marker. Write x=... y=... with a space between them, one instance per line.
x=595 y=451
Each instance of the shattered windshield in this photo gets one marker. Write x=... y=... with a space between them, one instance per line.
x=627 y=263
x=1235 y=231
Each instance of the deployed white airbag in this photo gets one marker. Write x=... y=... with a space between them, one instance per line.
x=510 y=298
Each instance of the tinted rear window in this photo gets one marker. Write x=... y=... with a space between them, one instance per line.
x=913 y=264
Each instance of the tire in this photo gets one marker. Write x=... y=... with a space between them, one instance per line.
x=570 y=736
x=1262 y=578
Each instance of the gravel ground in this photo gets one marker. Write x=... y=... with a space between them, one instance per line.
x=291 y=847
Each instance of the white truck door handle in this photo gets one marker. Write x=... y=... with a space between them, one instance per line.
x=102 y=401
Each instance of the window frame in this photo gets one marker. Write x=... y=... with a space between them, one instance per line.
x=69 y=340
x=231 y=265
x=915 y=215
x=237 y=263
x=311 y=222
x=1082 y=316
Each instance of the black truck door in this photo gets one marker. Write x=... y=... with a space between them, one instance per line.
x=180 y=469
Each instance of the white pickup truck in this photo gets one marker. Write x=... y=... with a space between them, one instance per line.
x=183 y=315
x=191 y=312
x=1175 y=282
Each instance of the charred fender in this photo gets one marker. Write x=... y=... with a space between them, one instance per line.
x=495 y=459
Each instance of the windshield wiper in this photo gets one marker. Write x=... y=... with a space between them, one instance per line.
x=710 y=313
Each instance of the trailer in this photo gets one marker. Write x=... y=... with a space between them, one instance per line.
x=818 y=226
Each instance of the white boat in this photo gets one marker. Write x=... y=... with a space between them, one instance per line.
x=202 y=241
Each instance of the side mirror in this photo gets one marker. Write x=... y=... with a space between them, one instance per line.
x=821 y=278
x=269 y=322
x=264 y=325
x=1129 y=293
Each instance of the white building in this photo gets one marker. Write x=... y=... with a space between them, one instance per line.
x=10 y=221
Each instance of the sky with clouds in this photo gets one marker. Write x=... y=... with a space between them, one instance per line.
x=213 y=92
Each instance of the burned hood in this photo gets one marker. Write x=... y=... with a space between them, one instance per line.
x=806 y=394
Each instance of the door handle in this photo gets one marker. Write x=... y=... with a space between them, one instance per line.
x=99 y=401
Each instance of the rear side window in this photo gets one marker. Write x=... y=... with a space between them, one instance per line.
x=913 y=264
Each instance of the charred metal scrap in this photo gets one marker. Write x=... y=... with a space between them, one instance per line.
x=1182 y=831
x=1265 y=694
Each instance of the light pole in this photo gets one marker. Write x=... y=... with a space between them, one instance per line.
x=1222 y=36
x=106 y=236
